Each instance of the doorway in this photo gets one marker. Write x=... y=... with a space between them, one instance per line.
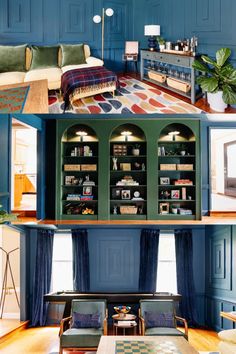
x=223 y=170
x=24 y=169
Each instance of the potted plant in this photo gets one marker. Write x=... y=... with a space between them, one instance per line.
x=5 y=217
x=220 y=81
x=136 y=150
x=161 y=43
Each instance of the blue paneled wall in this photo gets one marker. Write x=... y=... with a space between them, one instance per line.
x=70 y=21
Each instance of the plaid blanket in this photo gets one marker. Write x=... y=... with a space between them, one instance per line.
x=84 y=78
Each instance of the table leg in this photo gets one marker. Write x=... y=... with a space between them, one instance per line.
x=124 y=331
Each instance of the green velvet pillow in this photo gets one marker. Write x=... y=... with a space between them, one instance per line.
x=44 y=57
x=72 y=54
x=12 y=58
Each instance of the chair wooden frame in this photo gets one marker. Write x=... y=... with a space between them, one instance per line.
x=142 y=327
x=66 y=323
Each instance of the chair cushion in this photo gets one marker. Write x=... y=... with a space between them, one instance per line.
x=157 y=319
x=229 y=335
x=227 y=347
x=82 y=320
x=73 y=54
x=12 y=58
x=81 y=338
x=163 y=331
x=53 y=75
x=44 y=57
x=13 y=77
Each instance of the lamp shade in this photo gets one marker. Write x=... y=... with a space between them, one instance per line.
x=152 y=30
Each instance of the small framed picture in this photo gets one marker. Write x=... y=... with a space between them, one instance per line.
x=88 y=190
x=125 y=166
x=175 y=194
x=164 y=208
x=125 y=194
x=164 y=180
x=116 y=193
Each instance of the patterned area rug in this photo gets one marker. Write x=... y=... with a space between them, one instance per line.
x=13 y=100
x=133 y=97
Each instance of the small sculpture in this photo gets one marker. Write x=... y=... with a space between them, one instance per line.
x=114 y=159
x=80 y=181
x=87 y=178
x=115 y=210
x=143 y=167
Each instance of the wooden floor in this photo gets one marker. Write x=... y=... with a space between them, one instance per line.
x=45 y=341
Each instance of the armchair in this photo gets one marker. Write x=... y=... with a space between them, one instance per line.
x=158 y=318
x=74 y=333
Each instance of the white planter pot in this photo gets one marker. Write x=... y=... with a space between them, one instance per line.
x=161 y=47
x=216 y=102
x=135 y=152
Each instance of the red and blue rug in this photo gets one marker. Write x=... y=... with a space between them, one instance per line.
x=13 y=100
x=133 y=97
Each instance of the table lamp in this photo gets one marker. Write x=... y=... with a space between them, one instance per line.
x=152 y=31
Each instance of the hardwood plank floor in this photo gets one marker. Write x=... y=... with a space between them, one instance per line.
x=45 y=340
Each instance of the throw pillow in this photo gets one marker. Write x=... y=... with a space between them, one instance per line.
x=156 y=319
x=90 y=320
x=44 y=57
x=72 y=54
x=12 y=58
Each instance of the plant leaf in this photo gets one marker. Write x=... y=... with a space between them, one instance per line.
x=222 y=55
x=229 y=95
x=208 y=60
x=200 y=66
x=208 y=84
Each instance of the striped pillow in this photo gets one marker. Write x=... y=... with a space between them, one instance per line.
x=157 y=319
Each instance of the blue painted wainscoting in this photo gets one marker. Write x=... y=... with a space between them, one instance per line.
x=5 y=159
x=70 y=21
x=220 y=274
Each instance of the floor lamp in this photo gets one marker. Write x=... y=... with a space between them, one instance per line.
x=98 y=19
x=4 y=282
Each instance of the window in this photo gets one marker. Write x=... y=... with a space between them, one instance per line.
x=166 y=270
x=62 y=278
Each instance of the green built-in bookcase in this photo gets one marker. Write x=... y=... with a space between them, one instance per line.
x=118 y=169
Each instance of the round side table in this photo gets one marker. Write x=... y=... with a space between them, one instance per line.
x=123 y=322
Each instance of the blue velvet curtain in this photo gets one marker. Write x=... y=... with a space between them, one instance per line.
x=81 y=274
x=184 y=269
x=149 y=243
x=42 y=276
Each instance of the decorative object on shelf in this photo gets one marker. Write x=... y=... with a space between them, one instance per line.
x=125 y=166
x=7 y=270
x=165 y=194
x=71 y=167
x=174 y=209
x=115 y=210
x=220 y=82
x=164 y=180
x=101 y=19
x=175 y=194
x=128 y=209
x=116 y=193
x=182 y=152
x=152 y=31
x=178 y=84
x=87 y=181
x=183 y=182
x=167 y=166
x=125 y=194
x=184 y=167
x=164 y=208
x=122 y=310
x=161 y=43
x=114 y=167
x=88 y=167
x=127 y=181
x=88 y=190
x=143 y=167
x=119 y=150
x=80 y=181
x=136 y=150
x=5 y=216
x=126 y=134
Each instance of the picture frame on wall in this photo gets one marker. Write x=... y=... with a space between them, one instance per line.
x=125 y=194
x=164 y=180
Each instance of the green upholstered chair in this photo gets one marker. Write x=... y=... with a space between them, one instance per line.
x=83 y=338
x=165 y=308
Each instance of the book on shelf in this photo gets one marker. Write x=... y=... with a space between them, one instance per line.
x=183 y=192
x=126 y=323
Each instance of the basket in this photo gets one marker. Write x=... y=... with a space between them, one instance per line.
x=157 y=76
x=167 y=166
x=178 y=85
x=89 y=167
x=71 y=167
x=184 y=167
x=128 y=209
